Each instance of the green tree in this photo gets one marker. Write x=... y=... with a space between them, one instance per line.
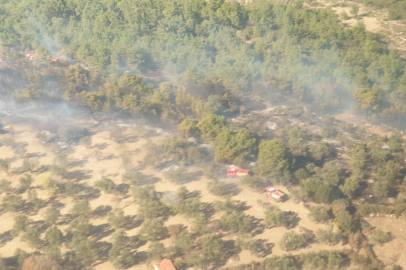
x=81 y=208
x=117 y=219
x=152 y=229
x=345 y=221
x=210 y=126
x=351 y=184
x=5 y=185
x=156 y=251
x=177 y=175
x=121 y=257
x=274 y=217
x=235 y=222
x=328 y=236
x=292 y=241
x=20 y=225
x=51 y=215
x=274 y=158
x=54 y=236
x=188 y=127
x=12 y=203
x=184 y=241
x=4 y=165
x=216 y=187
x=32 y=237
x=368 y=99
x=319 y=214
x=105 y=184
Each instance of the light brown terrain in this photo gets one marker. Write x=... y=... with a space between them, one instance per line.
x=86 y=169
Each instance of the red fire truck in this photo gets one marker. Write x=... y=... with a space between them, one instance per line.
x=234 y=172
x=278 y=195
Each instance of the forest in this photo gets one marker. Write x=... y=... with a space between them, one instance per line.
x=264 y=47
x=229 y=62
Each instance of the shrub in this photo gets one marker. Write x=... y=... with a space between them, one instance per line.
x=152 y=229
x=20 y=225
x=328 y=236
x=32 y=238
x=380 y=237
x=120 y=238
x=190 y=207
x=253 y=245
x=319 y=214
x=105 y=184
x=216 y=187
x=235 y=222
x=4 y=165
x=26 y=181
x=292 y=241
x=12 y=203
x=274 y=217
x=132 y=177
x=285 y=262
x=81 y=208
x=5 y=185
x=33 y=198
x=54 y=236
x=51 y=215
x=121 y=257
x=184 y=241
x=254 y=182
x=177 y=176
x=156 y=251
x=117 y=219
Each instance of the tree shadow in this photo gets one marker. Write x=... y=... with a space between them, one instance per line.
x=133 y=223
x=35 y=155
x=194 y=193
x=101 y=211
x=78 y=175
x=5 y=237
x=257 y=226
x=123 y=189
x=89 y=193
x=40 y=225
x=207 y=209
x=231 y=250
x=101 y=231
x=265 y=248
x=141 y=256
x=78 y=163
x=293 y=219
x=148 y=180
x=135 y=242
x=192 y=176
x=103 y=248
x=131 y=139
x=101 y=146
x=232 y=189
x=43 y=168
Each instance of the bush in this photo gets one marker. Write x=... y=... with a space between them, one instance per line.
x=190 y=207
x=117 y=219
x=5 y=185
x=33 y=198
x=274 y=217
x=156 y=251
x=132 y=177
x=81 y=208
x=26 y=181
x=380 y=237
x=54 y=236
x=29 y=165
x=32 y=238
x=253 y=245
x=216 y=187
x=285 y=262
x=254 y=182
x=152 y=229
x=211 y=170
x=20 y=225
x=292 y=241
x=105 y=184
x=328 y=236
x=176 y=176
x=319 y=214
x=235 y=222
x=184 y=241
x=51 y=215
x=121 y=257
x=12 y=203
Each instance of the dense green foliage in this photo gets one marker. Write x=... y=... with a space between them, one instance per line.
x=287 y=48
